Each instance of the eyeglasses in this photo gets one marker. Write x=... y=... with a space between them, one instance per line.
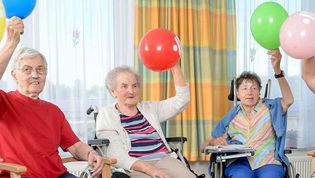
x=245 y=89
x=41 y=70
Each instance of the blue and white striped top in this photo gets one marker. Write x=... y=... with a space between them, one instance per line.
x=146 y=143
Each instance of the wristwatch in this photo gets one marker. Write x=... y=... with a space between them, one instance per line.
x=279 y=75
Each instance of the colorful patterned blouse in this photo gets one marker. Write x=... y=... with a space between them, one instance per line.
x=255 y=131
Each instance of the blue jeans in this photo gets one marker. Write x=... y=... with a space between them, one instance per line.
x=241 y=169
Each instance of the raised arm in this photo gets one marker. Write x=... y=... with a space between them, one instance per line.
x=172 y=106
x=308 y=72
x=178 y=76
x=287 y=97
x=14 y=28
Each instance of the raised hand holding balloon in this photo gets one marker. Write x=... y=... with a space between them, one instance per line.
x=159 y=49
x=265 y=24
x=18 y=8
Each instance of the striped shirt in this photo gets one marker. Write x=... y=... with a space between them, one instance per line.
x=146 y=143
x=255 y=131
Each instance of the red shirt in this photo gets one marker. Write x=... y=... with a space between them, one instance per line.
x=31 y=132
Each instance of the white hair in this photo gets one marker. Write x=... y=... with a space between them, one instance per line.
x=26 y=53
x=111 y=78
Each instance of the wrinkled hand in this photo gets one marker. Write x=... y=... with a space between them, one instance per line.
x=275 y=60
x=219 y=141
x=155 y=172
x=311 y=153
x=15 y=28
x=213 y=141
x=203 y=146
x=96 y=162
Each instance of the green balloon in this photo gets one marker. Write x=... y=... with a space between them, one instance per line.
x=266 y=22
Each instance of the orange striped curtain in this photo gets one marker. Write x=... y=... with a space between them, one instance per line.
x=207 y=31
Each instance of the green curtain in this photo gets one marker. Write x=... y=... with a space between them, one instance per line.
x=207 y=31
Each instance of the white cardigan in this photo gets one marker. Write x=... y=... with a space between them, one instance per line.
x=108 y=124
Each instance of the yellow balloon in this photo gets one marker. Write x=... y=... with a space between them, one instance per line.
x=2 y=27
x=2 y=20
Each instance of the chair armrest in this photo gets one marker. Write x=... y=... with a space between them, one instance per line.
x=106 y=171
x=14 y=168
x=110 y=161
x=69 y=159
x=176 y=139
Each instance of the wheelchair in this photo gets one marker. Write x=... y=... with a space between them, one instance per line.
x=222 y=156
x=176 y=144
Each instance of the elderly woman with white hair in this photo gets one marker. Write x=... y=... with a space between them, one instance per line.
x=133 y=127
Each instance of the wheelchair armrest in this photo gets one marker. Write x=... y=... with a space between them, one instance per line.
x=287 y=151
x=176 y=139
x=98 y=142
x=13 y=168
x=223 y=158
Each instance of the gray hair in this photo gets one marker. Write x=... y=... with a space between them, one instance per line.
x=251 y=76
x=111 y=78
x=26 y=53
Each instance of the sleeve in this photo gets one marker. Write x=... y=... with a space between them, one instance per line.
x=278 y=117
x=170 y=107
x=220 y=128
x=118 y=146
x=68 y=137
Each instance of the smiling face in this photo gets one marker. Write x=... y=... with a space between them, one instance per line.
x=248 y=93
x=126 y=90
x=30 y=76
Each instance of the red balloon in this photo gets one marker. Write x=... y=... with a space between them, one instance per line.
x=159 y=49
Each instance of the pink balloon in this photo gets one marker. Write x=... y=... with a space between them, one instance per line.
x=297 y=35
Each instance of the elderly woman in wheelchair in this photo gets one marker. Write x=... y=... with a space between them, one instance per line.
x=257 y=123
x=134 y=130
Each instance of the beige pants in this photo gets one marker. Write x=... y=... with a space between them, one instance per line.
x=171 y=166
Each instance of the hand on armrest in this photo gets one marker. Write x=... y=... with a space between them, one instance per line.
x=311 y=153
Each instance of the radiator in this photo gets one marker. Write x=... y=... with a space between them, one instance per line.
x=302 y=164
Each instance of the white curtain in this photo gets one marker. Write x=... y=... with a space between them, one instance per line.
x=82 y=40
x=251 y=56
